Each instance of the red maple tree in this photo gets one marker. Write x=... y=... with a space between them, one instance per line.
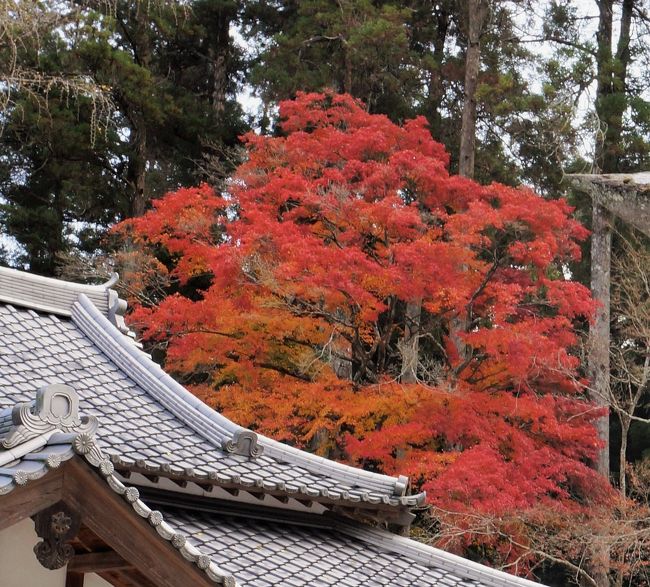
x=348 y=295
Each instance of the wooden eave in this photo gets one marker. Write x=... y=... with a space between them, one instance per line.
x=148 y=559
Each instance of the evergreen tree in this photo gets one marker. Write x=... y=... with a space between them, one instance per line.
x=408 y=58
x=171 y=73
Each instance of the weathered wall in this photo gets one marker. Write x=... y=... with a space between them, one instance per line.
x=19 y=567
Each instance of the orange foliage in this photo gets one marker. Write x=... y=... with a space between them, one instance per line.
x=288 y=309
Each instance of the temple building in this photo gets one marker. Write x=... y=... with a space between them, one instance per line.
x=111 y=473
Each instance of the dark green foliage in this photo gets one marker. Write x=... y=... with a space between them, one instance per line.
x=359 y=47
x=406 y=59
x=172 y=74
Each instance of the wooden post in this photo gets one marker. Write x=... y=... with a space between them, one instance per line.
x=601 y=251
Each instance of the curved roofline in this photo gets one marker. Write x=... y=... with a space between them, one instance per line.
x=98 y=312
x=55 y=296
x=46 y=294
x=210 y=424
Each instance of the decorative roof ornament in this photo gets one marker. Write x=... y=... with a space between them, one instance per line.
x=116 y=311
x=243 y=442
x=117 y=307
x=56 y=525
x=56 y=409
x=401 y=486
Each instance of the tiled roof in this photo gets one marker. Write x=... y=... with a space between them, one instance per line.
x=151 y=424
x=32 y=444
x=272 y=554
x=57 y=297
x=277 y=553
x=34 y=464
x=234 y=547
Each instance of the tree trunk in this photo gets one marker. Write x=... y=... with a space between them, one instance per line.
x=137 y=167
x=477 y=11
x=218 y=58
x=435 y=87
x=348 y=69
x=409 y=346
x=477 y=14
x=622 y=473
x=612 y=68
x=603 y=76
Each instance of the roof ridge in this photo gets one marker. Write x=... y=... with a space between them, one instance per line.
x=55 y=296
x=210 y=424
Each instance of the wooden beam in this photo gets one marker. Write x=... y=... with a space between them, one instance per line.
x=24 y=502
x=97 y=562
x=74 y=579
x=621 y=194
x=113 y=520
x=127 y=578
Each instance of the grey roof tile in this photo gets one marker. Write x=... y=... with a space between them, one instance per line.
x=278 y=553
x=36 y=464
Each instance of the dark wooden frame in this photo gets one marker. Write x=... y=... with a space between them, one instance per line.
x=135 y=550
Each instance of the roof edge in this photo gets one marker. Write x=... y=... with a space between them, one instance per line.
x=433 y=557
x=397 y=485
x=421 y=553
x=86 y=447
x=55 y=296
x=210 y=424
x=298 y=491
